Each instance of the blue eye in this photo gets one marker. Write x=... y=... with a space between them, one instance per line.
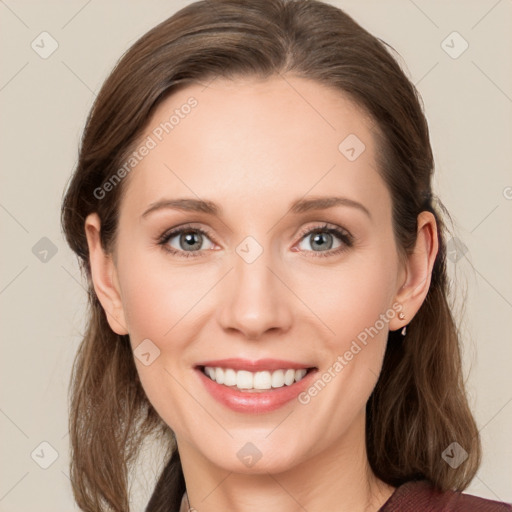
x=322 y=237
x=190 y=241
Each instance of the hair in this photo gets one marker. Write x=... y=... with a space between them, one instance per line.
x=419 y=405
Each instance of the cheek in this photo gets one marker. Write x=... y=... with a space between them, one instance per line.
x=161 y=303
x=356 y=307
x=150 y=306
x=159 y=296
x=355 y=295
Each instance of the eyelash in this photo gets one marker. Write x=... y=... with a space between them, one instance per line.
x=343 y=235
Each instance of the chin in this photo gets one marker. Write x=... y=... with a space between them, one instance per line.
x=255 y=459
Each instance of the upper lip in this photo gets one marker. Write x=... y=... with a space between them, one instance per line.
x=254 y=366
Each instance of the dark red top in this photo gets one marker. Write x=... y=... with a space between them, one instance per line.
x=422 y=497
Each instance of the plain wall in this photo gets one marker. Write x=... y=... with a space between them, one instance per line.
x=44 y=104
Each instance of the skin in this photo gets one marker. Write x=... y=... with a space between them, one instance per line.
x=254 y=146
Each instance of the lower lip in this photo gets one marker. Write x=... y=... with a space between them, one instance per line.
x=255 y=401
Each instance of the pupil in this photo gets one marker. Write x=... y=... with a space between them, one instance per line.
x=321 y=237
x=189 y=240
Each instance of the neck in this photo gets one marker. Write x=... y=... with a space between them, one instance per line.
x=338 y=478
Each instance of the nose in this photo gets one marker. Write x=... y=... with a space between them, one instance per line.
x=255 y=300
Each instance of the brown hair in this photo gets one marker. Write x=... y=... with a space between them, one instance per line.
x=418 y=407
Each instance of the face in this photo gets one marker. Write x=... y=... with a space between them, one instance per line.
x=265 y=276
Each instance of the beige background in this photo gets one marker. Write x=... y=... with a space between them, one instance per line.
x=44 y=104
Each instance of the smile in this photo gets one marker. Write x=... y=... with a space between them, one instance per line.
x=254 y=386
x=246 y=380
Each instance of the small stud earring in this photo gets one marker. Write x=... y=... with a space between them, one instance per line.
x=401 y=315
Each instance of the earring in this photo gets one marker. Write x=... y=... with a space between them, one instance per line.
x=401 y=316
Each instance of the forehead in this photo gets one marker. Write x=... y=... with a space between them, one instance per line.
x=245 y=141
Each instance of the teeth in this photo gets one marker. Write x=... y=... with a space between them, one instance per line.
x=262 y=380
x=219 y=375
x=244 y=379
x=289 y=377
x=229 y=376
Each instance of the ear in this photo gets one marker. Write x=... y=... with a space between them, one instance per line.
x=104 y=276
x=417 y=272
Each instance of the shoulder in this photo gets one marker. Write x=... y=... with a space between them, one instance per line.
x=422 y=496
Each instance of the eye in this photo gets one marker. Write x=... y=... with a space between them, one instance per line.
x=185 y=242
x=188 y=241
x=321 y=240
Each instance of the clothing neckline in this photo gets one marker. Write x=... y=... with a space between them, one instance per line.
x=185 y=506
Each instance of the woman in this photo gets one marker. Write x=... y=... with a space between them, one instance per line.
x=228 y=145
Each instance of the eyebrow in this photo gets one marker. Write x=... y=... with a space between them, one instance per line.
x=297 y=207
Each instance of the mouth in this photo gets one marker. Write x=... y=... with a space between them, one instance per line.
x=255 y=381
x=254 y=387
